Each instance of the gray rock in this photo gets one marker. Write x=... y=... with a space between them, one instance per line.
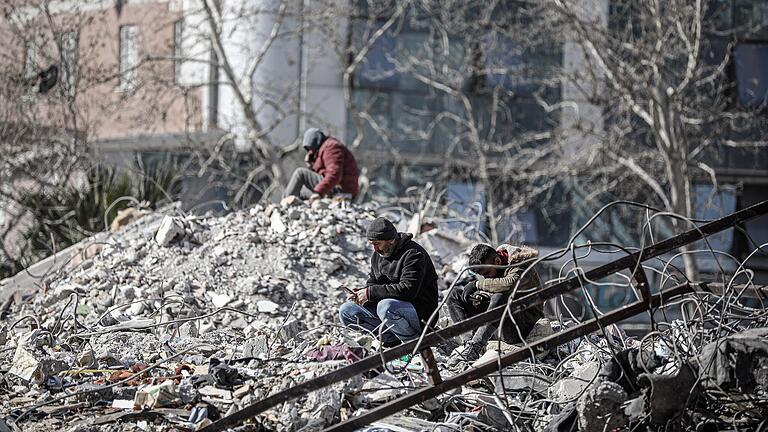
x=170 y=229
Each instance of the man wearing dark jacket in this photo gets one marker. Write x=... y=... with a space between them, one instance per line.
x=334 y=169
x=401 y=288
x=493 y=290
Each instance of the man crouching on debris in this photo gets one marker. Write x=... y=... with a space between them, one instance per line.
x=334 y=169
x=492 y=290
x=401 y=291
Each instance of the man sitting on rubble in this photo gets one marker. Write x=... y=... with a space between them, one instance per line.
x=493 y=288
x=333 y=169
x=401 y=291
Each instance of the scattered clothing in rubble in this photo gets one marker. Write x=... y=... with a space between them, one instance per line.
x=224 y=375
x=625 y=367
x=336 y=352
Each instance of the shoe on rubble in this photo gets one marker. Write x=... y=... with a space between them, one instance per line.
x=468 y=353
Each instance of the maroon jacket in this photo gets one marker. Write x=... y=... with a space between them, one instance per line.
x=337 y=166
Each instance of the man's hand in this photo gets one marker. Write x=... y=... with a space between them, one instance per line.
x=314 y=197
x=473 y=295
x=309 y=158
x=360 y=296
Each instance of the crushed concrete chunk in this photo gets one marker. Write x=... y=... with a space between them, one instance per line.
x=122 y=404
x=212 y=391
x=220 y=300
x=156 y=396
x=33 y=367
x=276 y=223
x=266 y=306
x=291 y=201
x=170 y=229
x=570 y=388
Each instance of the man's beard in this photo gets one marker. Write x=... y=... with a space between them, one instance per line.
x=388 y=253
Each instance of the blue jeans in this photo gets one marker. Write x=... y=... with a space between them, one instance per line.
x=402 y=320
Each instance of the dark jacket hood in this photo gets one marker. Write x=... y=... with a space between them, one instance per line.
x=402 y=241
x=313 y=139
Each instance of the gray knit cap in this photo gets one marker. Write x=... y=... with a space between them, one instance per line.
x=381 y=229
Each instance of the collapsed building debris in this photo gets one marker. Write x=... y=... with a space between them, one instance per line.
x=187 y=323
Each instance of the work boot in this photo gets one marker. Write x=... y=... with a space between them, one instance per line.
x=467 y=353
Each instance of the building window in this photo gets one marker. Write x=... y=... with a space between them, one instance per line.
x=377 y=69
x=30 y=60
x=129 y=56
x=751 y=61
x=69 y=62
x=178 y=53
x=751 y=19
x=504 y=64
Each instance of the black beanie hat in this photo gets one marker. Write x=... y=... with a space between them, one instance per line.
x=381 y=229
x=313 y=138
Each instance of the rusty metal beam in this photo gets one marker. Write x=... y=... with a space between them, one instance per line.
x=516 y=306
x=522 y=353
x=430 y=366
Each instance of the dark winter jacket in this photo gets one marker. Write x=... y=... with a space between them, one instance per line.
x=408 y=275
x=337 y=166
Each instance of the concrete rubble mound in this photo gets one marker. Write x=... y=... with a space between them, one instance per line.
x=181 y=320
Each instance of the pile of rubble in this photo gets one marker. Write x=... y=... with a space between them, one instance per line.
x=179 y=320
x=180 y=312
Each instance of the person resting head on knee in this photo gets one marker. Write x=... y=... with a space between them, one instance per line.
x=500 y=273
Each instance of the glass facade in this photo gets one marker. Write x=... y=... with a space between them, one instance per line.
x=421 y=91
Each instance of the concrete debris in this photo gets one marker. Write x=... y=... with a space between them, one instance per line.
x=276 y=223
x=266 y=306
x=149 y=294
x=291 y=201
x=570 y=388
x=123 y=404
x=171 y=228
x=599 y=407
x=220 y=300
x=177 y=321
x=738 y=362
x=156 y=396
x=36 y=366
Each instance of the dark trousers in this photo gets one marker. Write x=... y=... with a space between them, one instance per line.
x=459 y=309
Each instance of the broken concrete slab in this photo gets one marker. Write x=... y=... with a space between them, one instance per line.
x=599 y=408
x=276 y=223
x=267 y=306
x=220 y=299
x=156 y=396
x=570 y=388
x=737 y=362
x=211 y=391
x=35 y=367
x=171 y=229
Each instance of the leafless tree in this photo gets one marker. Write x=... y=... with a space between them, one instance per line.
x=659 y=71
x=39 y=118
x=634 y=100
x=480 y=112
